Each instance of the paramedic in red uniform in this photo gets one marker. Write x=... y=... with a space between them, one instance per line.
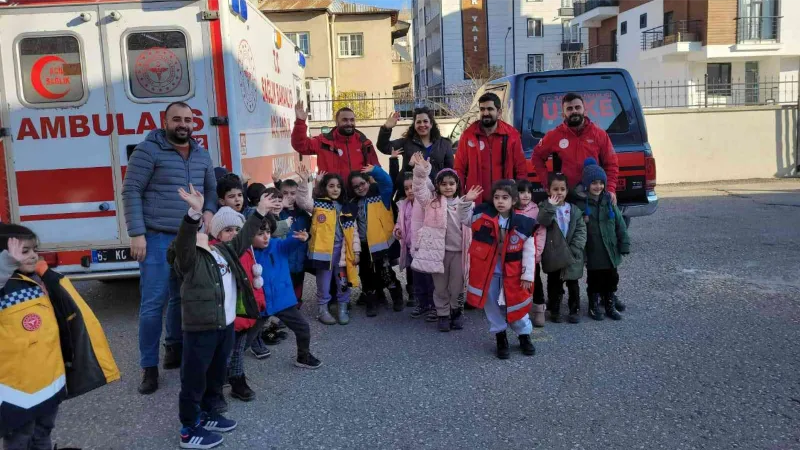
x=341 y=151
x=168 y=159
x=576 y=139
x=489 y=150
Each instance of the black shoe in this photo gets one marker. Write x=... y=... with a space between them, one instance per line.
x=307 y=361
x=173 y=353
x=618 y=305
x=397 y=299
x=149 y=381
x=502 y=345
x=526 y=345
x=372 y=305
x=362 y=299
x=468 y=307
x=574 y=316
x=611 y=312
x=270 y=337
x=594 y=307
x=554 y=307
x=456 y=319
x=444 y=323
x=240 y=389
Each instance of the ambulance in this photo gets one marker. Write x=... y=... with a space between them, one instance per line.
x=82 y=82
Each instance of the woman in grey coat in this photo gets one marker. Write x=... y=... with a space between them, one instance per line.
x=422 y=136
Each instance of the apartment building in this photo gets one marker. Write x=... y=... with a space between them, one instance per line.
x=455 y=40
x=716 y=51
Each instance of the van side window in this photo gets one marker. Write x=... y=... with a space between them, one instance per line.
x=158 y=64
x=51 y=70
x=603 y=108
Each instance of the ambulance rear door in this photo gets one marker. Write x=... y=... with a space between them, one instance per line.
x=60 y=168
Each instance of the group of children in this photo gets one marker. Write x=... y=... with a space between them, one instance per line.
x=246 y=267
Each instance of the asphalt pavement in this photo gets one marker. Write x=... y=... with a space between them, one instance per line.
x=707 y=356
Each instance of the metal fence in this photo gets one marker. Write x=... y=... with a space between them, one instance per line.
x=700 y=93
x=706 y=93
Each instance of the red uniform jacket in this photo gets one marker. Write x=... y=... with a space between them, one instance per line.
x=573 y=148
x=335 y=153
x=517 y=256
x=479 y=159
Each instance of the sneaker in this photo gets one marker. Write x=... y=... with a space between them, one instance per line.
x=444 y=323
x=307 y=361
x=325 y=316
x=259 y=349
x=199 y=437
x=419 y=311
x=431 y=317
x=149 y=381
x=574 y=317
x=270 y=337
x=240 y=390
x=344 y=316
x=216 y=422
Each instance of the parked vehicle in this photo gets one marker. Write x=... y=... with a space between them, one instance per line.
x=83 y=81
x=532 y=103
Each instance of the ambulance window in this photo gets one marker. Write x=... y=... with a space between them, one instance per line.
x=51 y=69
x=158 y=64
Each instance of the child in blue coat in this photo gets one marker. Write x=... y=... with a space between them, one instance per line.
x=273 y=256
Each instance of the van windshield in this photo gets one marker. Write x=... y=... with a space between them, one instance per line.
x=602 y=107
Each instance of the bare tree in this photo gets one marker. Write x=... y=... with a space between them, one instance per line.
x=457 y=99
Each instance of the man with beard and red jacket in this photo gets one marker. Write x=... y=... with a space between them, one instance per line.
x=576 y=139
x=489 y=150
x=340 y=151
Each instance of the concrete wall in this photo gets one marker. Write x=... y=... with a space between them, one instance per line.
x=363 y=73
x=318 y=61
x=723 y=144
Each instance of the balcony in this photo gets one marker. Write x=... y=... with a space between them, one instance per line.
x=590 y=13
x=570 y=46
x=566 y=12
x=595 y=55
x=758 y=30
x=674 y=37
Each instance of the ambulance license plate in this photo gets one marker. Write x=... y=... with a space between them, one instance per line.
x=112 y=255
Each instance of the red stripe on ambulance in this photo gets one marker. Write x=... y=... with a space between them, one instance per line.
x=81 y=185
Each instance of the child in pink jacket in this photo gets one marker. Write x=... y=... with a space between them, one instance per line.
x=527 y=207
x=410 y=216
x=441 y=245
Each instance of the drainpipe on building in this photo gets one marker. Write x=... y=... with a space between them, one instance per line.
x=505 y=53
x=797 y=131
x=334 y=46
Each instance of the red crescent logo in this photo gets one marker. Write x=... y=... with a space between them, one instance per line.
x=31 y=322
x=36 y=77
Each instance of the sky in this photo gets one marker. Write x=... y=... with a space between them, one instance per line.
x=395 y=4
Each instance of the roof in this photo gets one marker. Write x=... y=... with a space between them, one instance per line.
x=331 y=6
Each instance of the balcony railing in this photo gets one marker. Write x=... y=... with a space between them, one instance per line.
x=584 y=6
x=599 y=54
x=758 y=29
x=672 y=32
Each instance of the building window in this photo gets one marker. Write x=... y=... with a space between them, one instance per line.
x=51 y=70
x=536 y=63
x=643 y=21
x=576 y=33
x=301 y=39
x=719 y=79
x=623 y=28
x=351 y=45
x=169 y=79
x=565 y=30
x=566 y=3
x=535 y=28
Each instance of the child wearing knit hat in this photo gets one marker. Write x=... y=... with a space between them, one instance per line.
x=607 y=240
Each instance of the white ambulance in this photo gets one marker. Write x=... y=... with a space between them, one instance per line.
x=83 y=81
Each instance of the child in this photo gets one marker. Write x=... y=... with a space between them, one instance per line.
x=409 y=220
x=375 y=222
x=502 y=260
x=52 y=344
x=528 y=208
x=216 y=290
x=225 y=225
x=606 y=242
x=563 y=254
x=334 y=241
x=442 y=242
x=229 y=192
x=300 y=221
x=272 y=254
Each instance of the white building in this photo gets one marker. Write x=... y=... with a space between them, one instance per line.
x=734 y=52
x=453 y=38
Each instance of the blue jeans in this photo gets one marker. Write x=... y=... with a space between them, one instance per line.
x=160 y=286
x=496 y=314
x=324 y=278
